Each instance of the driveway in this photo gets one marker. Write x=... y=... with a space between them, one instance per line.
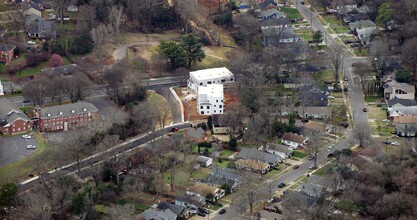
x=14 y=148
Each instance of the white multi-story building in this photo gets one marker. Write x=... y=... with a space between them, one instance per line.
x=1 y=89
x=210 y=99
x=209 y=76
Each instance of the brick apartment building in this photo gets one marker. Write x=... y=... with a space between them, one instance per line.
x=12 y=119
x=63 y=117
x=6 y=53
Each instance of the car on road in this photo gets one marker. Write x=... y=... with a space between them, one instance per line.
x=174 y=129
x=346 y=78
x=311 y=157
x=395 y=143
x=365 y=110
x=222 y=211
x=386 y=142
x=312 y=167
x=31 y=42
x=354 y=45
x=330 y=155
x=203 y=210
x=30 y=147
x=281 y=185
x=296 y=167
x=331 y=146
x=25 y=136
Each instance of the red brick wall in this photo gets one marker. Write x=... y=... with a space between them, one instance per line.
x=19 y=126
x=57 y=123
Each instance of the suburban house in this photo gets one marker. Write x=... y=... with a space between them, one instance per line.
x=315 y=127
x=153 y=214
x=277 y=22
x=217 y=181
x=63 y=117
x=406 y=126
x=266 y=5
x=316 y=112
x=12 y=119
x=201 y=190
x=294 y=140
x=278 y=35
x=396 y=102
x=177 y=209
x=403 y=111
x=42 y=29
x=279 y=149
x=31 y=8
x=195 y=134
x=65 y=70
x=295 y=83
x=191 y=202
x=394 y=89
x=270 y=14
x=226 y=173
x=267 y=215
x=253 y=154
x=252 y=165
x=1 y=89
x=204 y=161
x=218 y=128
x=6 y=53
x=210 y=99
x=311 y=95
x=364 y=34
x=209 y=76
x=355 y=17
x=243 y=8
x=357 y=25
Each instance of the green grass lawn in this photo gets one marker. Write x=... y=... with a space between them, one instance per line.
x=325 y=75
x=299 y=154
x=36 y=70
x=323 y=170
x=4 y=7
x=195 y=149
x=346 y=205
x=336 y=24
x=306 y=34
x=182 y=175
x=66 y=27
x=223 y=164
x=226 y=153
x=292 y=13
x=372 y=98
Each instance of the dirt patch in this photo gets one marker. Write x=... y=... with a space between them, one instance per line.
x=190 y=106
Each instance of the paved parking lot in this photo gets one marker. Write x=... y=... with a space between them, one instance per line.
x=14 y=148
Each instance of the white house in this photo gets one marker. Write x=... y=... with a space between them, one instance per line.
x=209 y=76
x=204 y=161
x=400 y=90
x=1 y=89
x=200 y=190
x=72 y=8
x=293 y=140
x=283 y=151
x=210 y=99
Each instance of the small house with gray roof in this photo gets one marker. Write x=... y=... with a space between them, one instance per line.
x=12 y=119
x=153 y=214
x=284 y=151
x=42 y=30
x=64 y=117
x=65 y=70
x=253 y=154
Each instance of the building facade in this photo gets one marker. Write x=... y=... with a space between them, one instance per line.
x=12 y=119
x=6 y=53
x=209 y=76
x=63 y=117
x=210 y=99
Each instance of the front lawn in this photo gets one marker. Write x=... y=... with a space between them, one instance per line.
x=372 y=99
x=36 y=70
x=346 y=205
x=336 y=24
x=299 y=154
x=292 y=13
x=323 y=170
x=227 y=153
x=223 y=164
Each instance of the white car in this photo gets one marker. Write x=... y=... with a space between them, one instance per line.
x=386 y=120
x=25 y=136
x=303 y=26
x=331 y=146
x=31 y=147
x=395 y=143
x=331 y=97
x=31 y=42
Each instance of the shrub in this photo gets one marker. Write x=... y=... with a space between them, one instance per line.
x=56 y=60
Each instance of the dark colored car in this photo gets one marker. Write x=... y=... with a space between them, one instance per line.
x=174 y=129
x=201 y=214
x=328 y=82
x=346 y=78
x=354 y=45
x=203 y=210
x=304 y=120
x=386 y=142
x=330 y=155
x=296 y=167
x=281 y=185
x=311 y=157
x=348 y=41
x=364 y=109
x=222 y=211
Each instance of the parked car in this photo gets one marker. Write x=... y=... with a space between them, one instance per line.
x=29 y=147
x=31 y=42
x=312 y=167
x=25 y=136
x=201 y=214
x=330 y=155
x=296 y=167
x=303 y=3
x=222 y=211
x=395 y=143
x=331 y=97
x=346 y=78
x=386 y=142
x=311 y=157
x=328 y=82
x=354 y=45
x=348 y=41
x=203 y=210
x=281 y=185
x=303 y=26
x=331 y=146
x=174 y=129
x=304 y=120
x=365 y=110
x=386 y=120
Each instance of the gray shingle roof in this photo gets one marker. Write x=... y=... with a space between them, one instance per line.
x=203 y=159
x=403 y=102
x=226 y=173
x=68 y=109
x=275 y=22
x=282 y=33
x=301 y=81
x=42 y=26
x=270 y=12
x=196 y=201
x=253 y=154
x=278 y=147
x=9 y=112
x=361 y=24
x=310 y=95
x=218 y=181
x=151 y=214
x=61 y=70
x=178 y=210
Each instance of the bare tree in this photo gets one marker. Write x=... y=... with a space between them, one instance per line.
x=78 y=87
x=60 y=6
x=115 y=77
x=36 y=91
x=86 y=18
x=116 y=18
x=336 y=54
x=409 y=55
x=233 y=118
x=56 y=90
x=361 y=134
x=77 y=147
x=314 y=145
x=249 y=27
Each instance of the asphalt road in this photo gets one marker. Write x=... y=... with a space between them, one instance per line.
x=127 y=146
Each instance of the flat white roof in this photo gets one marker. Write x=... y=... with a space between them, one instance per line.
x=212 y=73
x=211 y=90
